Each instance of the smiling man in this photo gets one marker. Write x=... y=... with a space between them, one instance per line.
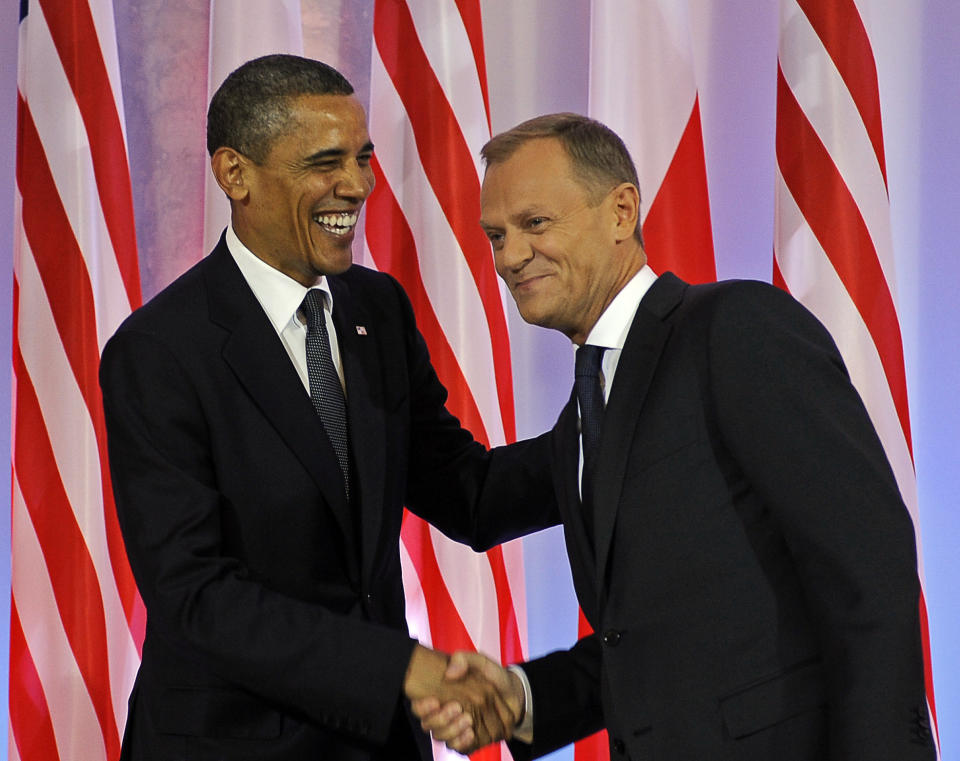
x=737 y=539
x=269 y=414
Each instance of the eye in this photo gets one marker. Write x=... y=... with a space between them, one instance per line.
x=496 y=239
x=364 y=159
x=535 y=222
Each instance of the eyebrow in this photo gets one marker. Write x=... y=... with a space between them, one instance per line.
x=330 y=153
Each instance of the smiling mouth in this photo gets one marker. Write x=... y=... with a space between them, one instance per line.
x=528 y=281
x=337 y=224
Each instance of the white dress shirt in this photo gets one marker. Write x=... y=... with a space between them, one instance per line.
x=611 y=328
x=280 y=296
x=610 y=332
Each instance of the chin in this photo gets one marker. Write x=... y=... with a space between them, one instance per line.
x=335 y=265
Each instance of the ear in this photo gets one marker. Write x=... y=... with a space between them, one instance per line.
x=626 y=203
x=230 y=168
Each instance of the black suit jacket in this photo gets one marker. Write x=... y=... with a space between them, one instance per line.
x=275 y=611
x=753 y=583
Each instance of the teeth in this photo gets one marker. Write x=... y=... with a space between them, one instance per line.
x=337 y=223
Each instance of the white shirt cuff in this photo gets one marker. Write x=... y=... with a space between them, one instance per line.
x=524 y=730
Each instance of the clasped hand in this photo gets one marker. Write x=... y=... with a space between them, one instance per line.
x=465 y=700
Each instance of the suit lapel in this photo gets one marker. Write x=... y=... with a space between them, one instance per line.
x=261 y=364
x=638 y=363
x=359 y=353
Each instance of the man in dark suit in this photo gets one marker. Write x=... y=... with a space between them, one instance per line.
x=269 y=414
x=736 y=535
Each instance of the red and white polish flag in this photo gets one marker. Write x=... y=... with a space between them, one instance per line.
x=654 y=105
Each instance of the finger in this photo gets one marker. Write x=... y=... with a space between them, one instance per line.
x=496 y=697
x=492 y=721
x=466 y=743
x=445 y=716
x=458 y=665
x=423 y=707
x=456 y=728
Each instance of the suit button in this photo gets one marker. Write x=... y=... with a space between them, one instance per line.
x=611 y=637
x=619 y=747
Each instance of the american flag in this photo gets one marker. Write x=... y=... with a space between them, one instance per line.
x=76 y=619
x=429 y=116
x=654 y=105
x=833 y=245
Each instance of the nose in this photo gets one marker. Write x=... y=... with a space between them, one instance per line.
x=356 y=182
x=513 y=254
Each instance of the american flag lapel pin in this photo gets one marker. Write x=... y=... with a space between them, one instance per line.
x=361 y=330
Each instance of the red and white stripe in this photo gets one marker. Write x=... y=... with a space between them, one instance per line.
x=429 y=117
x=833 y=245
x=643 y=86
x=240 y=33
x=76 y=619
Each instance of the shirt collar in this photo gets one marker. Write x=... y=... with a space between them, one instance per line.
x=279 y=294
x=611 y=328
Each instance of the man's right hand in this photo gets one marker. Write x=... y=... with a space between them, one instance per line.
x=453 y=724
x=475 y=707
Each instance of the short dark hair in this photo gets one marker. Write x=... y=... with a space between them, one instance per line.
x=251 y=108
x=599 y=157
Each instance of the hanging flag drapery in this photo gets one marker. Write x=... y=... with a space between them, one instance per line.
x=77 y=621
x=653 y=104
x=429 y=116
x=833 y=245
x=240 y=32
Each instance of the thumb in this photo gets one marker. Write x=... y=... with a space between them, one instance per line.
x=458 y=666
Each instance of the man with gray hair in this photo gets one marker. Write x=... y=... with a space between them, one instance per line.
x=737 y=538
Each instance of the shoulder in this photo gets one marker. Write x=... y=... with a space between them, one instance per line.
x=172 y=322
x=738 y=306
x=368 y=284
x=376 y=292
x=739 y=295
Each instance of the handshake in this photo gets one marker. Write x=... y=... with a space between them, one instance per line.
x=465 y=700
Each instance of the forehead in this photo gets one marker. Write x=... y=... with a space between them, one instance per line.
x=324 y=122
x=538 y=172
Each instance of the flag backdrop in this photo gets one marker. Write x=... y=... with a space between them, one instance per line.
x=76 y=619
x=76 y=622
x=429 y=116
x=238 y=35
x=654 y=105
x=833 y=247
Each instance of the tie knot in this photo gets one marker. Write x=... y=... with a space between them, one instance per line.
x=588 y=360
x=312 y=306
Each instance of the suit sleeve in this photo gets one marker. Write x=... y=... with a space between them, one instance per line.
x=788 y=414
x=477 y=497
x=343 y=672
x=565 y=688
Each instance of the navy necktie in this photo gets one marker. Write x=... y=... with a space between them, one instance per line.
x=326 y=393
x=590 y=398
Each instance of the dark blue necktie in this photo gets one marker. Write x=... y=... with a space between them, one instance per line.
x=590 y=398
x=326 y=393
